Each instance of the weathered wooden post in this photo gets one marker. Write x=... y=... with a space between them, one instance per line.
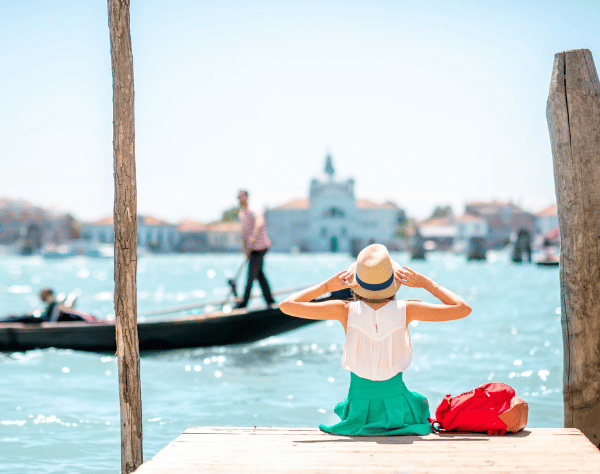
x=573 y=113
x=125 y=218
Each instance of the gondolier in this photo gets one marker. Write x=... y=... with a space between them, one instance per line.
x=255 y=242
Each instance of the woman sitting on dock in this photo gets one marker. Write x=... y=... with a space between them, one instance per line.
x=377 y=348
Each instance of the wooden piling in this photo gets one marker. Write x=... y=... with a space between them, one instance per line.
x=476 y=248
x=125 y=222
x=573 y=114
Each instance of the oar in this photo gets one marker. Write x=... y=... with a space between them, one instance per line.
x=211 y=303
x=233 y=281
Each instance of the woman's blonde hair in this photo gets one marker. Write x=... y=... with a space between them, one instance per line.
x=357 y=297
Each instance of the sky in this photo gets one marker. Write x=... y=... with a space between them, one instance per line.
x=421 y=103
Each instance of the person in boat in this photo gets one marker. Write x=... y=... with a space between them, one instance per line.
x=56 y=312
x=53 y=312
x=255 y=242
x=549 y=250
x=377 y=349
x=53 y=308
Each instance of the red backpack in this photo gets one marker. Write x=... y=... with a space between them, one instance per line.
x=491 y=408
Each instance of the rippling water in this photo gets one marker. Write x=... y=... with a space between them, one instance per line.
x=59 y=409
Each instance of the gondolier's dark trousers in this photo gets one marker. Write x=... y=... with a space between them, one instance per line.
x=255 y=271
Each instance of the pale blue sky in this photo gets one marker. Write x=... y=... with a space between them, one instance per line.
x=422 y=103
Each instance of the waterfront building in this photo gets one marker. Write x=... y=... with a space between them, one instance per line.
x=438 y=233
x=192 y=236
x=505 y=220
x=152 y=234
x=27 y=228
x=546 y=220
x=331 y=219
x=468 y=226
x=214 y=237
x=224 y=236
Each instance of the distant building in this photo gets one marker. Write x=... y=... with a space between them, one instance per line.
x=160 y=236
x=193 y=236
x=331 y=219
x=30 y=227
x=469 y=226
x=224 y=236
x=546 y=220
x=101 y=231
x=498 y=223
x=437 y=234
x=504 y=221
x=152 y=234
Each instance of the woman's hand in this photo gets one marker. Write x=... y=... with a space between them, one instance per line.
x=409 y=277
x=453 y=307
x=340 y=281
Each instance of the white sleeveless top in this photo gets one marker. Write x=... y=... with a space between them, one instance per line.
x=377 y=343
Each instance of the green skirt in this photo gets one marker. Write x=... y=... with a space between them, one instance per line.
x=381 y=408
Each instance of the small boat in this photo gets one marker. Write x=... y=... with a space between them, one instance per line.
x=57 y=251
x=201 y=330
x=550 y=255
x=77 y=249
x=548 y=262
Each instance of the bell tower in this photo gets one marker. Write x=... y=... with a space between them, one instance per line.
x=329 y=170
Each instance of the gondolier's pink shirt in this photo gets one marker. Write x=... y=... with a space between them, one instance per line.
x=253 y=238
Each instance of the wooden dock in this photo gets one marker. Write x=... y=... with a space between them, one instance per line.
x=308 y=450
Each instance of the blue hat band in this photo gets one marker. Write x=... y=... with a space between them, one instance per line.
x=376 y=286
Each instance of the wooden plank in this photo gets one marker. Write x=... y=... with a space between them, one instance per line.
x=301 y=450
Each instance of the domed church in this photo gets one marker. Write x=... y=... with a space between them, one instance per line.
x=331 y=219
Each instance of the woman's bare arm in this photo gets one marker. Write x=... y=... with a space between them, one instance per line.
x=299 y=304
x=453 y=307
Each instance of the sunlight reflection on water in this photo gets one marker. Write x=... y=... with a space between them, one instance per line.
x=513 y=335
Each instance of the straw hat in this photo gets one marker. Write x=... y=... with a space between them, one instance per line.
x=374 y=271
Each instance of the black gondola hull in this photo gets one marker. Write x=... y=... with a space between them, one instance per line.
x=203 y=330
x=193 y=331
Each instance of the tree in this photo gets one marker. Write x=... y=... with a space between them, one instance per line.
x=125 y=221
x=75 y=231
x=402 y=219
x=404 y=224
x=441 y=211
x=231 y=215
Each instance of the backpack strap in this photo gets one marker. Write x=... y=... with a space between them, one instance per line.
x=496 y=432
x=436 y=426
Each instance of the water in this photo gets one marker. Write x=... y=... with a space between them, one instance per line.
x=59 y=409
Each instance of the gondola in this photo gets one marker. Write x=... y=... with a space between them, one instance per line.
x=550 y=251
x=548 y=263
x=202 y=330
